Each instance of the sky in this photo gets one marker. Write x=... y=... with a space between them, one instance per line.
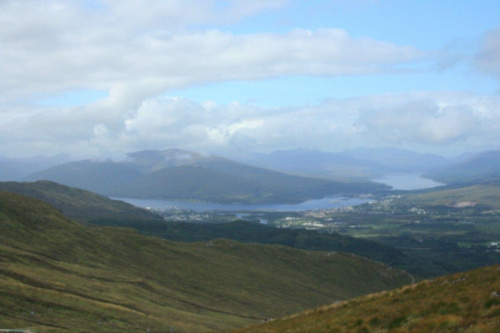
x=101 y=78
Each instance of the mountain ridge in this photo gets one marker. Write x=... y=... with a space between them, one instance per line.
x=178 y=174
x=80 y=204
x=478 y=167
x=359 y=163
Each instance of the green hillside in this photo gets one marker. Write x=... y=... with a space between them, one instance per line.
x=57 y=275
x=80 y=204
x=483 y=194
x=464 y=302
x=96 y=209
x=480 y=167
x=251 y=232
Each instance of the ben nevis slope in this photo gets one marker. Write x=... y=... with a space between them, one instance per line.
x=58 y=275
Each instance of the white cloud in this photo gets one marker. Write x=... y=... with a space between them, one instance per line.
x=439 y=122
x=421 y=121
x=179 y=14
x=51 y=46
x=138 y=50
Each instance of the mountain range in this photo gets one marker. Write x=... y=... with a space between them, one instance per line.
x=357 y=163
x=183 y=175
x=476 y=168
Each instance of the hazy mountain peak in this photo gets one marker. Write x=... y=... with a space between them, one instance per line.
x=154 y=160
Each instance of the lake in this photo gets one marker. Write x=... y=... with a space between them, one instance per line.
x=325 y=203
x=406 y=182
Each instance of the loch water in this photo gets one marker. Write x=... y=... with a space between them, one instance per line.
x=324 y=203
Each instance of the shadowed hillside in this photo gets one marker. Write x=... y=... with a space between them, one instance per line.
x=80 y=204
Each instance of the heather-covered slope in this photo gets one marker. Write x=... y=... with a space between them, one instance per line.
x=464 y=302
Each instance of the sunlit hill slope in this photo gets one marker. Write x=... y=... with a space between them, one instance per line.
x=464 y=302
x=57 y=275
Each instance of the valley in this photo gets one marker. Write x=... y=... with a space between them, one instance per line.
x=453 y=237
x=237 y=166
x=71 y=259
x=452 y=227
x=58 y=275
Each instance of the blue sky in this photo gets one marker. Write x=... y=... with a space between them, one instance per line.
x=453 y=27
x=105 y=77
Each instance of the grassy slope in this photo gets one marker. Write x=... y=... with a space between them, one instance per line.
x=97 y=209
x=483 y=194
x=80 y=204
x=58 y=275
x=251 y=232
x=457 y=303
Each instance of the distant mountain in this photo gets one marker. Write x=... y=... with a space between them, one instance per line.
x=155 y=160
x=464 y=302
x=58 y=275
x=95 y=176
x=315 y=163
x=13 y=169
x=402 y=160
x=477 y=168
x=80 y=204
x=178 y=174
x=349 y=164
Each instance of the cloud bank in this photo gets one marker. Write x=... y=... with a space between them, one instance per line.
x=445 y=123
x=135 y=53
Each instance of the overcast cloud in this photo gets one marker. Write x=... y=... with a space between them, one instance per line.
x=133 y=54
